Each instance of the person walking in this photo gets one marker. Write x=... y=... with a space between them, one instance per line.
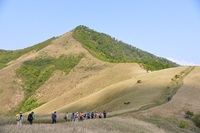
x=88 y=115
x=168 y=98
x=72 y=117
x=104 y=114
x=100 y=115
x=31 y=117
x=96 y=115
x=19 y=118
x=81 y=116
x=54 y=116
x=92 y=115
x=76 y=117
x=66 y=116
x=85 y=115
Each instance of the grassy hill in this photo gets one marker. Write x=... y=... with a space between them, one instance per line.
x=106 y=48
x=84 y=70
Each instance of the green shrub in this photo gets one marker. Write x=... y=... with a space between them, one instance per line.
x=189 y=114
x=30 y=104
x=182 y=124
x=196 y=120
x=34 y=73
x=66 y=63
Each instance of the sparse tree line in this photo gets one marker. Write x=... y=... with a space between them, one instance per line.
x=109 y=49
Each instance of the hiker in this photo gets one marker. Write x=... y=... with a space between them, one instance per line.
x=72 y=117
x=100 y=115
x=54 y=116
x=96 y=115
x=31 y=117
x=76 y=117
x=84 y=115
x=92 y=115
x=168 y=98
x=88 y=115
x=66 y=116
x=81 y=116
x=19 y=118
x=104 y=114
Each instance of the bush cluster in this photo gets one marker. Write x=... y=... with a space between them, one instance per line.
x=189 y=114
x=194 y=117
x=196 y=120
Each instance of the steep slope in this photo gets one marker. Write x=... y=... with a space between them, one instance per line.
x=89 y=76
x=11 y=86
x=186 y=99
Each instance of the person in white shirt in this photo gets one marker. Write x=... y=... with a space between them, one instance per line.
x=66 y=116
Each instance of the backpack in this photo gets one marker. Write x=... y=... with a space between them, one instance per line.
x=17 y=117
x=76 y=116
x=84 y=115
x=29 y=117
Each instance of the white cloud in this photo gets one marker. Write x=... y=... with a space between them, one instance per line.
x=182 y=62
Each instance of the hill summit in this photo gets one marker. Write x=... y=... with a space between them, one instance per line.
x=107 y=48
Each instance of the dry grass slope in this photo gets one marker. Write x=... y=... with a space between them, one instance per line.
x=186 y=99
x=111 y=125
x=96 y=85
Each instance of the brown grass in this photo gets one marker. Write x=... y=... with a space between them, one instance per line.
x=110 y=125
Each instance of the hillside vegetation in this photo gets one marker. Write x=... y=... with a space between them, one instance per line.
x=9 y=55
x=106 y=48
x=34 y=73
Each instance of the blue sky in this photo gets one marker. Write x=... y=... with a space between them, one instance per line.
x=166 y=28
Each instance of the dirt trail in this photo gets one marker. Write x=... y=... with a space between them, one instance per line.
x=186 y=97
x=178 y=80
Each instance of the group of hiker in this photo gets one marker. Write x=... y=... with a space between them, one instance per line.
x=79 y=116
x=19 y=118
x=74 y=117
x=86 y=115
